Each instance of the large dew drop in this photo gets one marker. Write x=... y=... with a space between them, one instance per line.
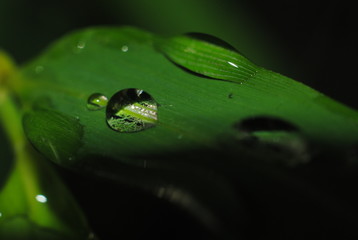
x=207 y=56
x=131 y=110
x=96 y=101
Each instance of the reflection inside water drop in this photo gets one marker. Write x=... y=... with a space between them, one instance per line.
x=96 y=101
x=131 y=110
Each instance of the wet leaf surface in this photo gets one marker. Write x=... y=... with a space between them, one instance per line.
x=193 y=157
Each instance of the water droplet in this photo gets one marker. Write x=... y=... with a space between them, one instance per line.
x=80 y=45
x=96 y=101
x=41 y=198
x=131 y=110
x=124 y=48
x=207 y=56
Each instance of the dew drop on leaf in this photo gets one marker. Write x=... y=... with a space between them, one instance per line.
x=78 y=48
x=131 y=110
x=207 y=56
x=96 y=101
x=41 y=198
x=81 y=44
x=124 y=48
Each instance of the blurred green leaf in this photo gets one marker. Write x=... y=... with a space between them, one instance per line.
x=56 y=130
x=34 y=204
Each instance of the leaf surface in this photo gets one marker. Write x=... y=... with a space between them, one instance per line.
x=195 y=135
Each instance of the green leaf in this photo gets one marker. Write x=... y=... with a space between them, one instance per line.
x=93 y=61
x=195 y=134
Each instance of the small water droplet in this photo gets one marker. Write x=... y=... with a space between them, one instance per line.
x=41 y=198
x=96 y=101
x=80 y=45
x=131 y=110
x=124 y=48
x=39 y=69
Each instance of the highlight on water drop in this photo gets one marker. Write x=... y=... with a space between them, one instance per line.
x=131 y=110
x=96 y=101
x=79 y=47
x=41 y=198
